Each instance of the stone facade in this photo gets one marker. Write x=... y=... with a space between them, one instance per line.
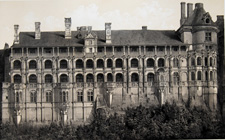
x=66 y=76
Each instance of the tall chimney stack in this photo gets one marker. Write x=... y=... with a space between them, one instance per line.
x=198 y=5
x=68 y=28
x=189 y=9
x=108 y=33
x=182 y=19
x=16 y=34
x=37 y=30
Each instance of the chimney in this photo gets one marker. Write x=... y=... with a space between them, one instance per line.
x=108 y=33
x=189 y=9
x=37 y=30
x=182 y=19
x=68 y=28
x=89 y=28
x=144 y=28
x=16 y=34
x=220 y=18
x=198 y=5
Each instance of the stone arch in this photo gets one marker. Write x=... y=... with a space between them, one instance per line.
x=119 y=77
x=32 y=78
x=109 y=63
x=109 y=77
x=199 y=61
x=100 y=63
x=90 y=78
x=134 y=62
x=134 y=77
x=63 y=64
x=32 y=64
x=79 y=63
x=48 y=78
x=150 y=63
x=17 y=78
x=89 y=64
x=64 y=78
x=119 y=63
x=79 y=78
x=100 y=77
x=199 y=75
x=48 y=64
x=161 y=62
x=150 y=77
x=17 y=64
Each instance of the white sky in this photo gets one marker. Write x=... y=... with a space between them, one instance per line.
x=123 y=14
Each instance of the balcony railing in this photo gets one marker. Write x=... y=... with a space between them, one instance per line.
x=32 y=85
x=17 y=86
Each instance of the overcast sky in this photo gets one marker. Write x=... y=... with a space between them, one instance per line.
x=123 y=14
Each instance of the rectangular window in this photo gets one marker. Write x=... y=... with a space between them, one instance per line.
x=100 y=49
x=150 y=49
x=108 y=49
x=118 y=49
x=90 y=96
x=175 y=48
x=208 y=36
x=48 y=50
x=80 y=96
x=133 y=49
x=32 y=51
x=17 y=51
x=160 y=49
x=79 y=49
x=63 y=50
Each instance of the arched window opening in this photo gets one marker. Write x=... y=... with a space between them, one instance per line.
x=48 y=78
x=192 y=76
x=206 y=61
x=100 y=63
x=161 y=62
x=211 y=75
x=90 y=96
x=48 y=64
x=17 y=64
x=100 y=78
x=199 y=61
x=79 y=64
x=150 y=63
x=33 y=79
x=199 y=75
x=48 y=96
x=32 y=64
x=17 y=79
x=206 y=76
x=211 y=61
x=109 y=78
x=33 y=96
x=119 y=77
x=150 y=77
x=134 y=63
x=89 y=64
x=90 y=78
x=109 y=63
x=79 y=78
x=80 y=96
x=175 y=62
x=192 y=62
x=63 y=64
x=134 y=77
x=119 y=63
x=64 y=78
x=176 y=78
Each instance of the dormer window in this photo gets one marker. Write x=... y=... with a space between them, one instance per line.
x=208 y=36
x=207 y=20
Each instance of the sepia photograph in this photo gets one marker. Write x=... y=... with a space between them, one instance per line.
x=112 y=70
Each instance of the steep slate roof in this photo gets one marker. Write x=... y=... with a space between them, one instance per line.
x=197 y=17
x=119 y=37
